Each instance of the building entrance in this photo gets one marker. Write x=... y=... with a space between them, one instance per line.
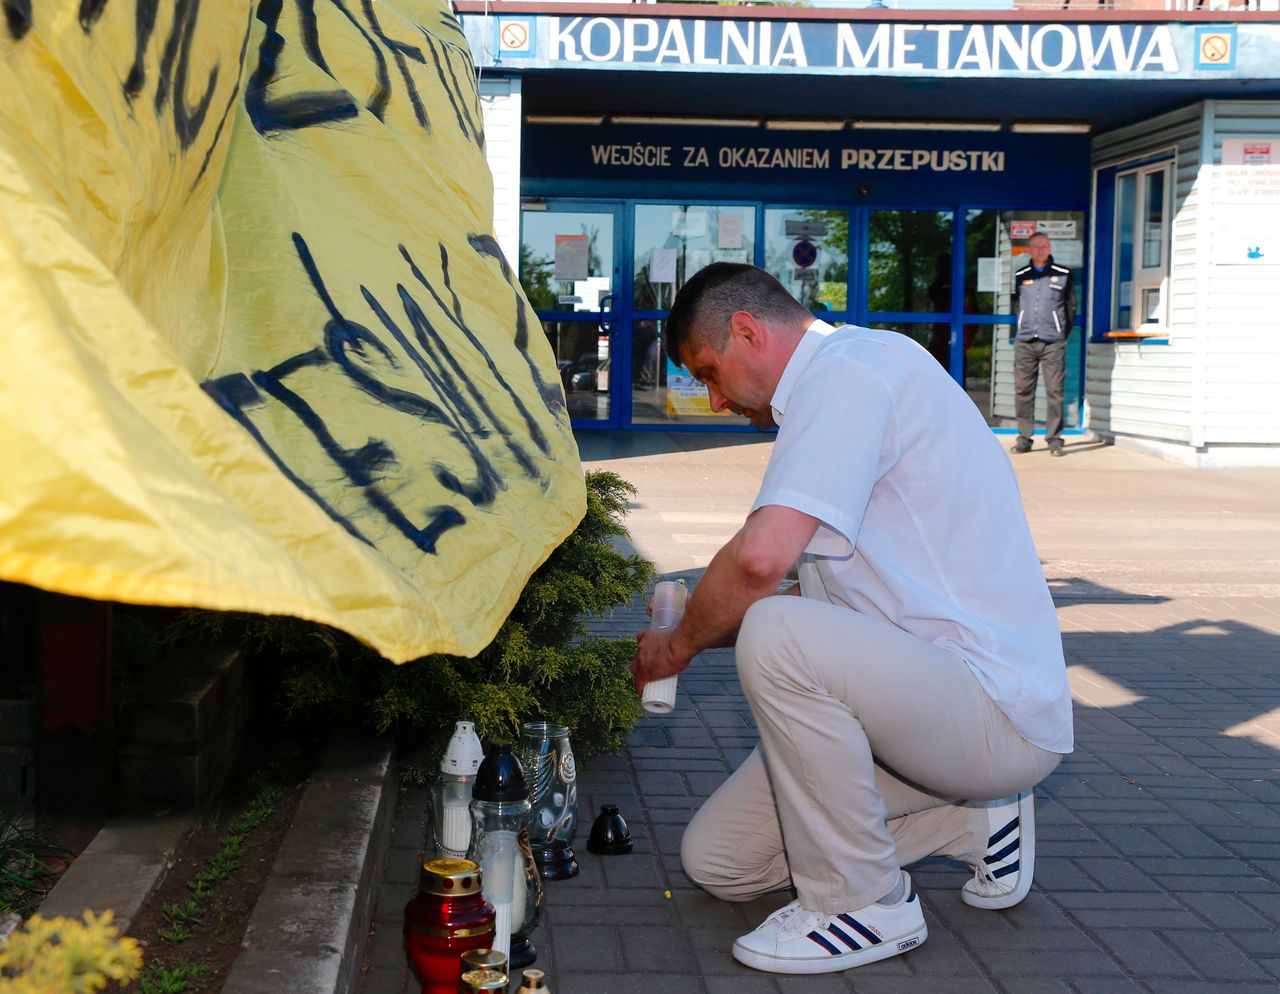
x=602 y=276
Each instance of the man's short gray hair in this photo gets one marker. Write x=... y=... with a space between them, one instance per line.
x=702 y=309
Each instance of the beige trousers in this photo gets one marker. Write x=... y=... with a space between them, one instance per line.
x=869 y=739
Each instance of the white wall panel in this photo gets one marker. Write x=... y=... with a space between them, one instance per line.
x=500 y=98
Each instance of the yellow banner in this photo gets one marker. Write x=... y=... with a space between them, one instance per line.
x=259 y=349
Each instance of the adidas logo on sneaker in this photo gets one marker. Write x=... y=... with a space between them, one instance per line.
x=793 y=940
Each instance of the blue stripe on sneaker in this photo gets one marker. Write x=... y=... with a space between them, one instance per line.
x=1005 y=870
x=1003 y=832
x=829 y=947
x=1008 y=850
x=843 y=936
x=861 y=929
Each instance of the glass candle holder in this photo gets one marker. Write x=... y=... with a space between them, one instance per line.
x=499 y=830
x=451 y=792
x=547 y=758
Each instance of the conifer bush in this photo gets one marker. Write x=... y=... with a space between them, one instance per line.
x=541 y=666
x=67 y=956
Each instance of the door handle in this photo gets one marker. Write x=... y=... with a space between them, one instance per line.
x=606 y=302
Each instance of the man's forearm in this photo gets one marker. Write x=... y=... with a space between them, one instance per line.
x=731 y=584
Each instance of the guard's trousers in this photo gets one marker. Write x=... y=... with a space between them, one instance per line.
x=869 y=740
x=1029 y=360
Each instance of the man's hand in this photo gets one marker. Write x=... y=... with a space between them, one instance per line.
x=657 y=655
x=749 y=567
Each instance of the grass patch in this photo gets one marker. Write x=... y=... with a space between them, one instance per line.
x=25 y=877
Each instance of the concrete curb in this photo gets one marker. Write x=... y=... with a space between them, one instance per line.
x=308 y=929
x=120 y=869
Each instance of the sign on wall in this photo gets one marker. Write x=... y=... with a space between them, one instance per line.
x=998 y=167
x=1251 y=151
x=1245 y=221
x=1093 y=50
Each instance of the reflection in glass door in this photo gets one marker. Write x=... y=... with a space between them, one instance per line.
x=909 y=276
x=807 y=251
x=672 y=243
x=569 y=273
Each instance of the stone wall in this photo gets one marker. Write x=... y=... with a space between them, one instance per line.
x=17 y=751
x=179 y=730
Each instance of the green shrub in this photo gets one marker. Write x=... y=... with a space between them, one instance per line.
x=67 y=956
x=540 y=666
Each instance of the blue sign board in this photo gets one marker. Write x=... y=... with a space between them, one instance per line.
x=999 y=169
x=1091 y=50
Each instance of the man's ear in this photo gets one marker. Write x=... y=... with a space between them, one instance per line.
x=746 y=328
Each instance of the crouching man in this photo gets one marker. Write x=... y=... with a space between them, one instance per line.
x=915 y=692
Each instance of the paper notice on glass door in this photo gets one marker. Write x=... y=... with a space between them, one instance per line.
x=1069 y=252
x=662 y=268
x=571 y=257
x=987 y=279
x=730 y=232
x=695 y=259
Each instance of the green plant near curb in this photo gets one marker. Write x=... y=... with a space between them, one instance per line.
x=180 y=919
x=158 y=978
x=540 y=666
x=24 y=875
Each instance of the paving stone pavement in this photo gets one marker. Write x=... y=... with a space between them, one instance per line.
x=1158 y=839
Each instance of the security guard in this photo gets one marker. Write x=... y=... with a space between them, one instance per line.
x=1045 y=302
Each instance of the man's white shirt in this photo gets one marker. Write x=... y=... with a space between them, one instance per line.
x=922 y=523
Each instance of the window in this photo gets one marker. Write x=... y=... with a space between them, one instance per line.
x=1141 y=250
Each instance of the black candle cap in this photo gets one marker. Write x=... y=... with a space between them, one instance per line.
x=609 y=835
x=500 y=777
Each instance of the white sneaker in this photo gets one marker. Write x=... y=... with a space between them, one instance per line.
x=1004 y=876
x=793 y=940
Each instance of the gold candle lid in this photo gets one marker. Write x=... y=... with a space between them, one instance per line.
x=484 y=959
x=451 y=877
x=478 y=981
x=533 y=981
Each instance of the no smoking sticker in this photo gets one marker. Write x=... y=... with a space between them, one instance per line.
x=515 y=36
x=1216 y=48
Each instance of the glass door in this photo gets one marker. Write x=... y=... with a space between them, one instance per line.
x=570 y=271
x=672 y=242
x=909 y=276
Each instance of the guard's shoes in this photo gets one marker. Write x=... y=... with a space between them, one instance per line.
x=793 y=940
x=1003 y=878
x=1021 y=445
x=1057 y=450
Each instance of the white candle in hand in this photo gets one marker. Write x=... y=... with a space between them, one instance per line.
x=669 y=597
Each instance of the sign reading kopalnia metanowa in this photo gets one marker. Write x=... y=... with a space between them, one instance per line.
x=260 y=349
x=531 y=41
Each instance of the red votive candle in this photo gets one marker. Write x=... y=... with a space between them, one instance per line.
x=448 y=916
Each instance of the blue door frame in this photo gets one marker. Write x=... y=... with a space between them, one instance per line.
x=617 y=322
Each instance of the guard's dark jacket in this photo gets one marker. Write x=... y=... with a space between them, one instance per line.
x=1044 y=301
